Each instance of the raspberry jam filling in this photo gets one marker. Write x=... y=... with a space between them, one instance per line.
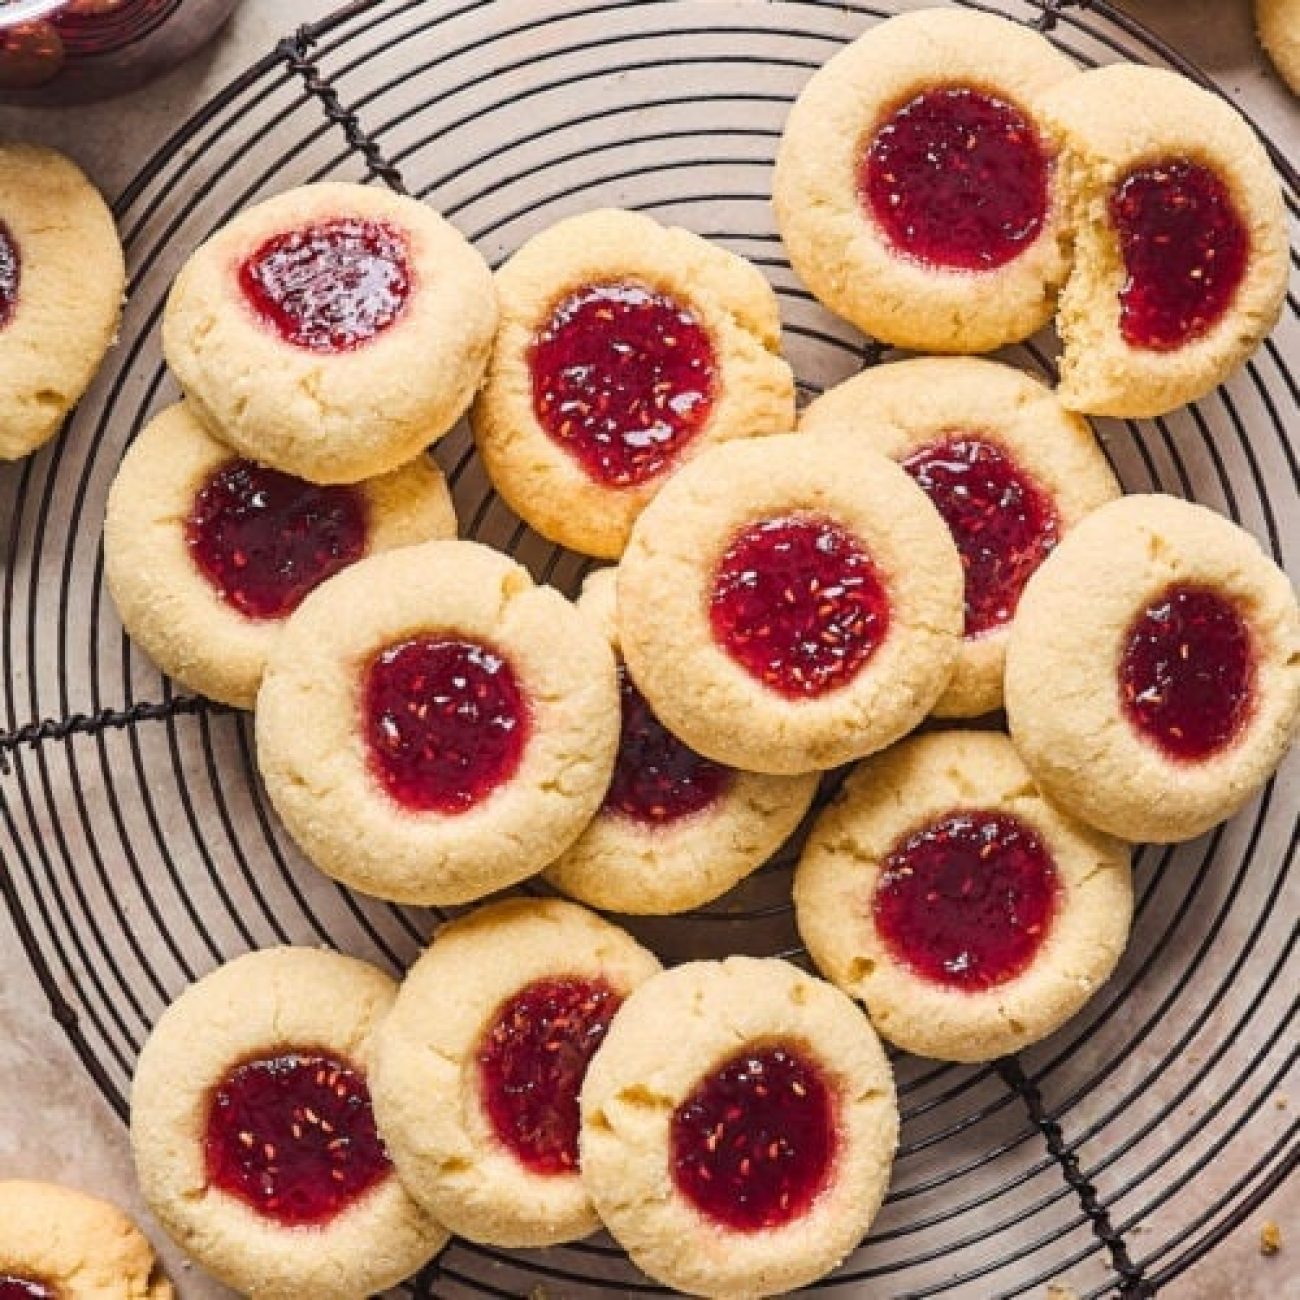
x=799 y=605
x=754 y=1145
x=956 y=179
x=332 y=286
x=532 y=1061
x=10 y=275
x=1187 y=673
x=967 y=901
x=13 y=1287
x=1185 y=249
x=446 y=723
x=293 y=1136
x=658 y=778
x=265 y=539
x=1003 y=524
x=623 y=378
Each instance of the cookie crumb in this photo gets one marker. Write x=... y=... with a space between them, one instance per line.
x=1061 y=1291
x=1281 y=1101
x=1270 y=1238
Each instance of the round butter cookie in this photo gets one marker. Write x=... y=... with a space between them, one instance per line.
x=432 y=726
x=254 y=1137
x=479 y=1066
x=739 y=1124
x=1279 y=30
x=62 y=280
x=58 y=1244
x=676 y=829
x=946 y=893
x=790 y=603
x=1171 y=644
x=1006 y=465
x=915 y=191
x=625 y=349
x=332 y=332
x=1180 y=264
x=207 y=553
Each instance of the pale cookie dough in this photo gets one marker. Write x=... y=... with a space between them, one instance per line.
x=62 y=280
x=314 y=758
x=332 y=416
x=672 y=1034
x=1279 y=30
x=902 y=792
x=837 y=247
x=268 y=1005
x=542 y=481
x=74 y=1247
x=667 y=583
x=169 y=606
x=429 y=1083
x=1071 y=632
x=1108 y=123
x=632 y=864
x=902 y=408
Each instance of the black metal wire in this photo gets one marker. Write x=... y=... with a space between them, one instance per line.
x=942 y=1105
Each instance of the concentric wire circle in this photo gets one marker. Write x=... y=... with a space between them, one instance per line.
x=138 y=858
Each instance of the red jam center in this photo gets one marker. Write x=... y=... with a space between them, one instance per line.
x=798 y=604
x=1187 y=672
x=1003 y=524
x=623 y=379
x=294 y=1137
x=532 y=1062
x=330 y=287
x=446 y=722
x=24 y=1288
x=957 y=179
x=967 y=900
x=1185 y=248
x=754 y=1144
x=10 y=274
x=265 y=539
x=658 y=778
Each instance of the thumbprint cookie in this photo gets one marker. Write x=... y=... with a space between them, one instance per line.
x=625 y=349
x=254 y=1135
x=432 y=726
x=479 y=1066
x=969 y=914
x=333 y=331
x=1170 y=646
x=790 y=603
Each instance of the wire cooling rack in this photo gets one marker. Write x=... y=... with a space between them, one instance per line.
x=139 y=850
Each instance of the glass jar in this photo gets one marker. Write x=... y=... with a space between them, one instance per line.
x=70 y=51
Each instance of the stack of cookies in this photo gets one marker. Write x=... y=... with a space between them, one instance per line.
x=937 y=538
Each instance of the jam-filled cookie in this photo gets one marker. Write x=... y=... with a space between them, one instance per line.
x=59 y=1244
x=1007 y=466
x=62 y=279
x=790 y=603
x=1279 y=30
x=1170 y=646
x=676 y=829
x=207 y=553
x=254 y=1136
x=738 y=1127
x=625 y=348
x=1180 y=256
x=432 y=726
x=333 y=331
x=946 y=893
x=915 y=190
x=479 y=1067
